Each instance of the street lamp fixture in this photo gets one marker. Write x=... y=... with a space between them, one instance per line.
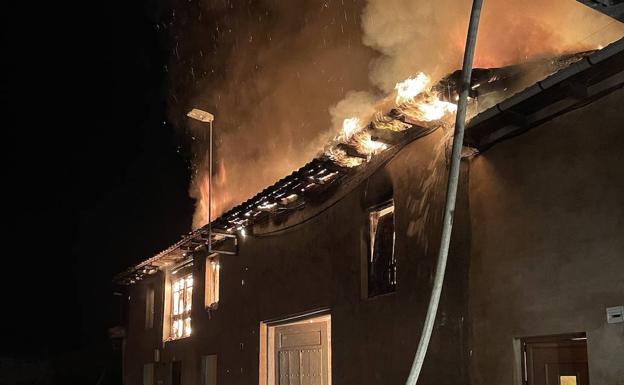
x=202 y=116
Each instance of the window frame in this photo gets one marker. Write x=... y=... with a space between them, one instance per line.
x=184 y=316
x=381 y=209
x=212 y=280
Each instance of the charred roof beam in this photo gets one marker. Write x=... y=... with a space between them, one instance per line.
x=351 y=151
x=387 y=136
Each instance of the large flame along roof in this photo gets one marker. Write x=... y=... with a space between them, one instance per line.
x=309 y=184
x=584 y=76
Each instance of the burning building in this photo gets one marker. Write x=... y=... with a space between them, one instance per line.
x=324 y=277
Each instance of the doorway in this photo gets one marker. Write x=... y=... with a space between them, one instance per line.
x=555 y=360
x=296 y=352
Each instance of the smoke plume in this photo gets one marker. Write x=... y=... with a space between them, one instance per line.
x=280 y=76
x=429 y=36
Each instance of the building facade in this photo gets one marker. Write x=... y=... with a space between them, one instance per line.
x=336 y=290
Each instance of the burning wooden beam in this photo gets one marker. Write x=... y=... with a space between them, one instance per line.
x=351 y=151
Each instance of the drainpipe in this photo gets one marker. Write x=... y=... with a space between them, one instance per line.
x=451 y=194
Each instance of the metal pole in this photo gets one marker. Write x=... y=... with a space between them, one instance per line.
x=451 y=194
x=210 y=193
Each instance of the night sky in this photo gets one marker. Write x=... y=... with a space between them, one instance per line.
x=98 y=176
x=94 y=180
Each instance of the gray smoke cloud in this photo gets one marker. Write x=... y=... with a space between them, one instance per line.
x=429 y=36
x=268 y=70
x=280 y=76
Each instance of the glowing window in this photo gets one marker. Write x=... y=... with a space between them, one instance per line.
x=212 y=282
x=181 y=300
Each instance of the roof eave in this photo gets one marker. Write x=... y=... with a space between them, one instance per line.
x=569 y=88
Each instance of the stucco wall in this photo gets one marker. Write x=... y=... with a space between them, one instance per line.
x=539 y=226
x=547 y=218
x=318 y=265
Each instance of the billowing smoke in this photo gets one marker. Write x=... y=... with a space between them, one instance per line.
x=429 y=36
x=280 y=76
x=356 y=103
x=278 y=66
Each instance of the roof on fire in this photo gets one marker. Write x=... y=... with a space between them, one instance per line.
x=567 y=89
x=570 y=88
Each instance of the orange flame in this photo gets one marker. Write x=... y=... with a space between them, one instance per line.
x=202 y=195
x=408 y=89
x=414 y=99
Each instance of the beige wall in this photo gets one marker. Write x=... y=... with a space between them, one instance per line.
x=318 y=265
x=539 y=224
x=547 y=218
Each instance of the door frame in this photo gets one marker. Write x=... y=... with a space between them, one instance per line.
x=554 y=339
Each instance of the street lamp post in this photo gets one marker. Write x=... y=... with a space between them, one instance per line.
x=206 y=117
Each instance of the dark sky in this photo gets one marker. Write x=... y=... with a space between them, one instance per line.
x=96 y=178
x=93 y=179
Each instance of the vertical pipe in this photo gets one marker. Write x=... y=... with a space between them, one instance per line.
x=210 y=193
x=451 y=194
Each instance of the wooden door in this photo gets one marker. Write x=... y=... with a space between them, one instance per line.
x=301 y=354
x=556 y=362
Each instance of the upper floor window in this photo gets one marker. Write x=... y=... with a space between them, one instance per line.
x=381 y=260
x=212 y=282
x=182 y=299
